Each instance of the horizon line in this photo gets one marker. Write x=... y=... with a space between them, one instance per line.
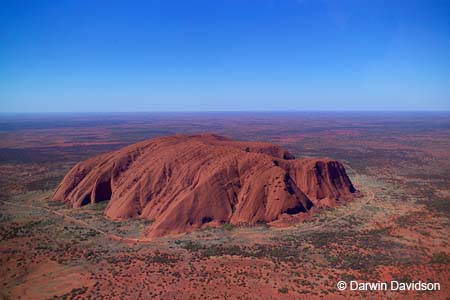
x=224 y=111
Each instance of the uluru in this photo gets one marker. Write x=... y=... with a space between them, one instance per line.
x=186 y=182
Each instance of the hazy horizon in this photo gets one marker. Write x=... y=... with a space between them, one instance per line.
x=228 y=112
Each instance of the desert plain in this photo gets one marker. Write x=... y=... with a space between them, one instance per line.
x=396 y=229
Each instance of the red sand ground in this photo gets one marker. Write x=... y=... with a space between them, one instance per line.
x=399 y=231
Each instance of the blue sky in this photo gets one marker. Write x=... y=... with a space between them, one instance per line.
x=164 y=55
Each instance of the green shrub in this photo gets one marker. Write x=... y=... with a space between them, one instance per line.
x=440 y=258
x=228 y=226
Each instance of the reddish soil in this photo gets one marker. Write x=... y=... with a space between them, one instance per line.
x=398 y=230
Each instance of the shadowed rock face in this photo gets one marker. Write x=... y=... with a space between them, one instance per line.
x=183 y=182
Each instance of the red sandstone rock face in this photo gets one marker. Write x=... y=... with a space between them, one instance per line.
x=184 y=182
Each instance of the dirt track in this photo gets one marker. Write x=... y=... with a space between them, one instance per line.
x=115 y=237
x=79 y=222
